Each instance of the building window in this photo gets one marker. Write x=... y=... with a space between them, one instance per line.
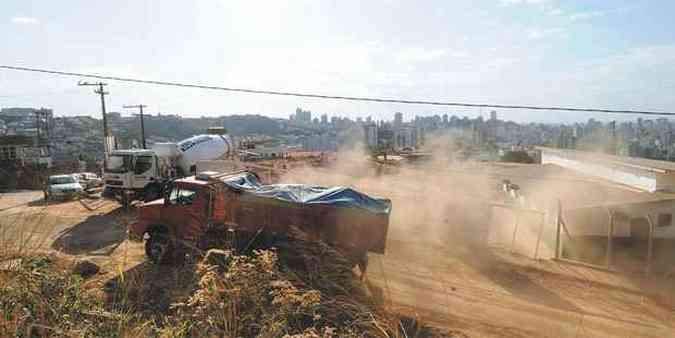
x=664 y=220
x=8 y=153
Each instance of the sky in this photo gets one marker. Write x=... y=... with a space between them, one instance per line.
x=605 y=54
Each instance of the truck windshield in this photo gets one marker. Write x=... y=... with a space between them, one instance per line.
x=182 y=196
x=118 y=164
x=143 y=164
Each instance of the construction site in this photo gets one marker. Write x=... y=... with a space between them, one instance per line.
x=305 y=169
x=468 y=249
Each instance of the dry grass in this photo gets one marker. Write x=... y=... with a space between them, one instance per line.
x=252 y=297
x=40 y=297
x=300 y=289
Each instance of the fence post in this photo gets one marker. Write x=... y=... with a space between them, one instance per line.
x=541 y=230
x=558 y=245
x=650 y=245
x=610 y=234
x=488 y=234
x=515 y=230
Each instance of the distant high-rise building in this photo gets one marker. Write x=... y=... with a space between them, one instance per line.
x=303 y=116
x=493 y=115
x=398 y=120
x=371 y=135
x=324 y=119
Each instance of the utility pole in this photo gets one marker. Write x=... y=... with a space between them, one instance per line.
x=106 y=132
x=140 y=108
x=38 y=145
x=42 y=142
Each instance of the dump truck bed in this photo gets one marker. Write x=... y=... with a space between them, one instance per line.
x=339 y=216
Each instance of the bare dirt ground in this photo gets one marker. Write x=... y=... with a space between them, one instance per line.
x=92 y=229
x=437 y=267
x=490 y=293
x=480 y=291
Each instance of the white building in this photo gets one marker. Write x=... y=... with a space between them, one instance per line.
x=643 y=174
x=591 y=208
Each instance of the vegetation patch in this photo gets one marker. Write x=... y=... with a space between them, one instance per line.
x=297 y=288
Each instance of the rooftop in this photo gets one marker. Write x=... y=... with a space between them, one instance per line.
x=541 y=184
x=633 y=162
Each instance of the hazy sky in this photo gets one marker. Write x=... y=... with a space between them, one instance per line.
x=610 y=54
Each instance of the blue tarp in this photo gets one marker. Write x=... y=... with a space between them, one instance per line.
x=307 y=194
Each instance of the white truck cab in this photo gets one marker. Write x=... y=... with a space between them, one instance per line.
x=141 y=173
x=131 y=168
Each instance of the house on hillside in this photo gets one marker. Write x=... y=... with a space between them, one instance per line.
x=22 y=151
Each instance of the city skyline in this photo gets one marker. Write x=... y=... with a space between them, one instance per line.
x=389 y=117
x=537 y=52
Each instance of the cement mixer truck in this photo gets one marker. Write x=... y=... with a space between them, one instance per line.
x=140 y=174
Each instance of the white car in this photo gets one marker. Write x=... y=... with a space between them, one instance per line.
x=63 y=186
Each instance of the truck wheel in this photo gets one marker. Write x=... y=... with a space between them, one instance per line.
x=159 y=248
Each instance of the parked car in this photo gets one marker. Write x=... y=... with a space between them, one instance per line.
x=89 y=180
x=63 y=186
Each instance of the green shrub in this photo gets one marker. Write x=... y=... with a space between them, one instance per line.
x=517 y=157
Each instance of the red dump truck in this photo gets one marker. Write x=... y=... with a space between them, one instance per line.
x=210 y=205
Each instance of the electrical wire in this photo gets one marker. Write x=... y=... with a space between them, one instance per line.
x=335 y=97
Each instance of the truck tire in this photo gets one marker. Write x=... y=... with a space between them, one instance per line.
x=159 y=248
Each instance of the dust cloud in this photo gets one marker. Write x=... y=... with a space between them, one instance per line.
x=431 y=201
x=444 y=199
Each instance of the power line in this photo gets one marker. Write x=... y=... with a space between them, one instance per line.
x=334 y=97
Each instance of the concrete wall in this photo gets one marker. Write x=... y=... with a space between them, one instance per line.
x=653 y=209
x=634 y=177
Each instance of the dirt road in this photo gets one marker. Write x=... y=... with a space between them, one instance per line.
x=85 y=227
